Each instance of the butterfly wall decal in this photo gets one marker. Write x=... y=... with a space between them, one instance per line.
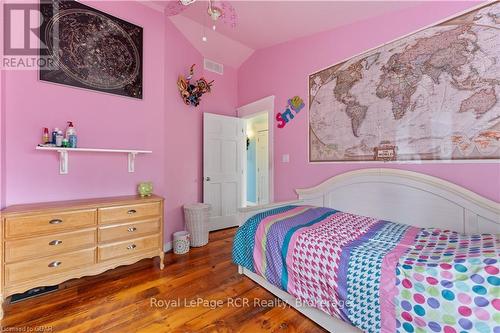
x=191 y=92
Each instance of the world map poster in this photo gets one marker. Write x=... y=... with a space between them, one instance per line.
x=432 y=95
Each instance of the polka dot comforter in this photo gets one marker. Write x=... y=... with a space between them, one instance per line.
x=449 y=282
x=377 y=275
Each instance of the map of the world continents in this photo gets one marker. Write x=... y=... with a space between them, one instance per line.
x=433 y=95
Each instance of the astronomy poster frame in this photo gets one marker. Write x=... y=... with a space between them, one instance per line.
x=464 y=126
x=87 y=48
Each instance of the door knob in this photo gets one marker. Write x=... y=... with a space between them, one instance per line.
x=207 y=179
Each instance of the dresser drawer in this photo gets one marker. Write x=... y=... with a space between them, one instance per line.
x=116 y=232
x=123 y=213
x=31 y=248
x=32 y=269
x=48 y=223
x=128 y=248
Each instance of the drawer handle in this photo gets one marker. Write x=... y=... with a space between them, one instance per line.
x=131 y=247
x=55 y=264
x=56 y=221
x=132 y=211
x=55 y=242
x=131 y=229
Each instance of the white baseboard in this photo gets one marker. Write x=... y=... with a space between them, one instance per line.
x=167 y=247
x=223 y=222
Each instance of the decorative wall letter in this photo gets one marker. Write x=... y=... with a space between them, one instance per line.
x=280 y=119
x=296 y=104
x=288 y=115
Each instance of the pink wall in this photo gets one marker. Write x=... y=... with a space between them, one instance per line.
x=160 y=122
x=184 y=125
x=224 y=96
x=2 y=123
x=102 y=120
x=283 y=70
x=2 y=140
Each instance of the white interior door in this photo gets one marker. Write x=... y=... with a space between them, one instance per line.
x=262 y=167
x=223 y=153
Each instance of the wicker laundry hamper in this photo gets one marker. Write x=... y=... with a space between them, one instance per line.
x=196 y=217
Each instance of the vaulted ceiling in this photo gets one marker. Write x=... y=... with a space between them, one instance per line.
x=261 y=24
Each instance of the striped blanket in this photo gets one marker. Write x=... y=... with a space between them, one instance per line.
x=377 y=275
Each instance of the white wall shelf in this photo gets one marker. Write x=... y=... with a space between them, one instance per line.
x=64 y=152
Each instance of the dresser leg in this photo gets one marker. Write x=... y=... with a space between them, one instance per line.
x=1 y=306
x=162 y=259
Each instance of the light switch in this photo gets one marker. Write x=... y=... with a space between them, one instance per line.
x=285 y=158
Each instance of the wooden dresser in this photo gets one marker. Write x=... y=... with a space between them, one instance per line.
x=48 y=243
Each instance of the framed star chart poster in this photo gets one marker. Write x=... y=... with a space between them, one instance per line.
x=432 y=95
x=90 y=49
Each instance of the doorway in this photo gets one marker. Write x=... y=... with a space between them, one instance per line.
x=258 y=184
x=225 y=161
x=257 y=160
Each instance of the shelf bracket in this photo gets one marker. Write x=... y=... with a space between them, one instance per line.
x=131 y=162
x=63 y=162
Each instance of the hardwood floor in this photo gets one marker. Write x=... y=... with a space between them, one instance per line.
x=133 y=299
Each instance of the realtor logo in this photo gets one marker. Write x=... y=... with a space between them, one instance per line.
x=21 y=33
x=21 y=37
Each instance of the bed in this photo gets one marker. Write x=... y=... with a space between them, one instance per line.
x=379 y=250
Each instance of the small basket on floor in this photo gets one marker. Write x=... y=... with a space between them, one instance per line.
x=181 y=242
x=196 y=217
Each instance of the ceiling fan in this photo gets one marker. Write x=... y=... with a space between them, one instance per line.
x=216 y=10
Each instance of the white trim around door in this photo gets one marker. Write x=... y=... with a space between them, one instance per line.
x=264 y=105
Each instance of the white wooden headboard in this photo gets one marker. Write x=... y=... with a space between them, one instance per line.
x=406 y=197
x=400 y=196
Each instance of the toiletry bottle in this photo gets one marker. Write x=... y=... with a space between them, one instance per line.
x=54 y=135
x=45 y=137
x=71 y=135
x=65 y=143
x=59 y=138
